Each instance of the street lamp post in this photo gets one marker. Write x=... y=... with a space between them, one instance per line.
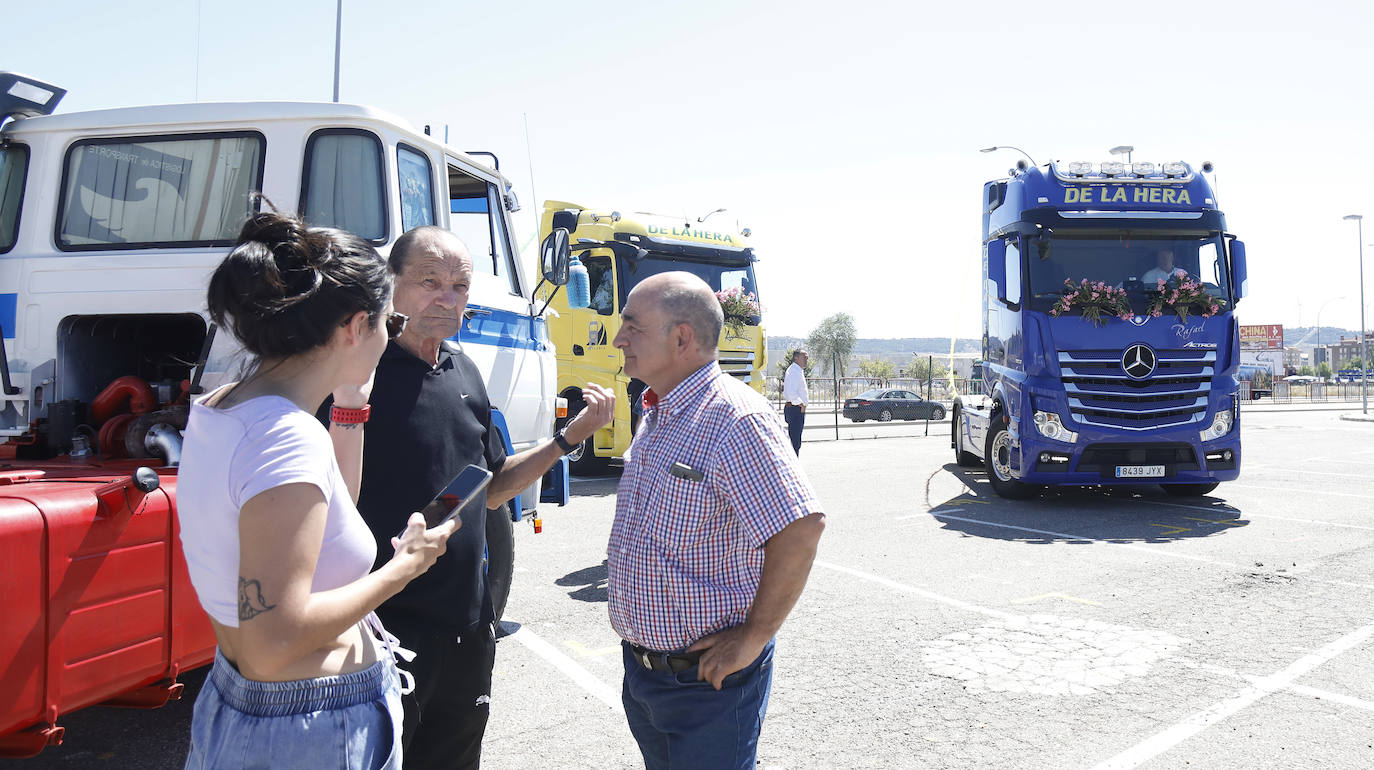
x=1364 y=353
x=1009 y=147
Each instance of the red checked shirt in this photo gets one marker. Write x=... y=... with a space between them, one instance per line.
x=686 y=549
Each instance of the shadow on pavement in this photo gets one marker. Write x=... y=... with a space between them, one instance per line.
x=591 y=582
x=601 y=485
x=1141 y=513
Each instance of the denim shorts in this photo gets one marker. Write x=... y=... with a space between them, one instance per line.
x=350 y=721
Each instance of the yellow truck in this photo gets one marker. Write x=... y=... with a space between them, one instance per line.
x=619 y=252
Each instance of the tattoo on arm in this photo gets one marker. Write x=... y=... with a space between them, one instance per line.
x=251 y=603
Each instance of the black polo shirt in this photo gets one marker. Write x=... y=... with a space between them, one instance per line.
x=427 y=424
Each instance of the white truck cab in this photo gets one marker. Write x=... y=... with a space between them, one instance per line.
x=112 y=220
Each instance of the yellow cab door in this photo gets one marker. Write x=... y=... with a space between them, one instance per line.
x=594 y=327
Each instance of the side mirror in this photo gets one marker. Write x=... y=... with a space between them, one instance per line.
x=1240 y=277
x=997 y=267
x=554 y=254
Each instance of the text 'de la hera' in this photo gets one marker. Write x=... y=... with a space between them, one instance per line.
x=1122 y=194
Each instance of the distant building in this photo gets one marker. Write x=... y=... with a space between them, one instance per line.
x=1345 y=352
x=1294 y=359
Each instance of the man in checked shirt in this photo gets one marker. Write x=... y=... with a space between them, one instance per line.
x=715 y=530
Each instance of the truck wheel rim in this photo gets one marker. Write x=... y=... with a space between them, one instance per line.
x=1001 y=456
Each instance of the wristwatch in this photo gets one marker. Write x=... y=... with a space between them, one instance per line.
x=562 y=442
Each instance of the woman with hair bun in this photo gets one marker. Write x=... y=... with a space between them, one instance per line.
x=279 y=557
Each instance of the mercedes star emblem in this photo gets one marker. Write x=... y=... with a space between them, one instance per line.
x=1139 y=362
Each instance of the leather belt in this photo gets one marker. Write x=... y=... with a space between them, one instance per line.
x=665 y=662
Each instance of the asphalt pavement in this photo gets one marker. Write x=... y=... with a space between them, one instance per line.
x=944 y=627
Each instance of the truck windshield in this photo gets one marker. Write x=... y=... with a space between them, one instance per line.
x=1134 y=262
x=719 y=276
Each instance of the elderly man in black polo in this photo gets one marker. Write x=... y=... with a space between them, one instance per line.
x=431 y=417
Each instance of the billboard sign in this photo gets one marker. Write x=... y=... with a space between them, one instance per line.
x=1264 y=337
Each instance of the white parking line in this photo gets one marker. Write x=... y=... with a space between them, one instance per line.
x=1247 y=513
x=904 y=588
x=1196 y=723
x=1344 y=700
x=1296 y=471
x=1309 y=492
x=586 y=679
x=1154 y=551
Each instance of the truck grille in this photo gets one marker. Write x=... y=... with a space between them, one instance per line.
x=738 y=364
x=1101 y=393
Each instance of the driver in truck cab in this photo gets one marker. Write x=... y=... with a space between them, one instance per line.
x=1163 y=269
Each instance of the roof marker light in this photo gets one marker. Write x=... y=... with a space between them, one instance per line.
x=1078 y=167
x=1113 y=168
x=1142 y=169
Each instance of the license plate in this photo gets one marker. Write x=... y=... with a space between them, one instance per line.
x=1139 y=471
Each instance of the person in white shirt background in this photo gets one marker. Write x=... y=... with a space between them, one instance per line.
x=794 y=393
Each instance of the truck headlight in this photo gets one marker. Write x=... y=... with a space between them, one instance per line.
x=1050 y=427
x=1221 y=425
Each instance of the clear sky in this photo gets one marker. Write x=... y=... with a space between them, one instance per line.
x=845 y=135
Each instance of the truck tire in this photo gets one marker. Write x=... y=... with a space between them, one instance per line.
x=1190 y=490
x=500 y=557
x=962 y=458
x=997 y=455
x=583 y=458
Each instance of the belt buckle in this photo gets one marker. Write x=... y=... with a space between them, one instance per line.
x=644 y=658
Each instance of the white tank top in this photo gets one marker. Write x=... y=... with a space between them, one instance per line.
x=229 y=456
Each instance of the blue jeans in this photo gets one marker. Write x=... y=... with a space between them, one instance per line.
x=683 y=723
x=350 y=721
x=796 y=420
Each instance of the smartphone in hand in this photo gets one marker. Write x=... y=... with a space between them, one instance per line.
x=450 y=502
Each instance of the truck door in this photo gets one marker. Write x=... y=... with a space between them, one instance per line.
x=592 y=326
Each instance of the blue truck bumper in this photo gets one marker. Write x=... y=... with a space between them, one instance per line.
x=1100 y=458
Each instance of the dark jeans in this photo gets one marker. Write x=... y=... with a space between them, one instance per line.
x=446 y=715
x=795 y=418
x=681 y=723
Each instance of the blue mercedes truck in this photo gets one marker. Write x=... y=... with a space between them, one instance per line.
x=1110 y=346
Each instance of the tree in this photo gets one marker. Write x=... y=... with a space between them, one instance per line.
x=920 y=368
x=876 y=368
x=1324 y=370
x=832 y=341
x=1305 y=370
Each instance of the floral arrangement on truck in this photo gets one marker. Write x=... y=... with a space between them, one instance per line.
x=1179 y=294
x=741 y=309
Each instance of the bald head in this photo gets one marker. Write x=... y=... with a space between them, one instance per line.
x=429 y=239
x=686 y=299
